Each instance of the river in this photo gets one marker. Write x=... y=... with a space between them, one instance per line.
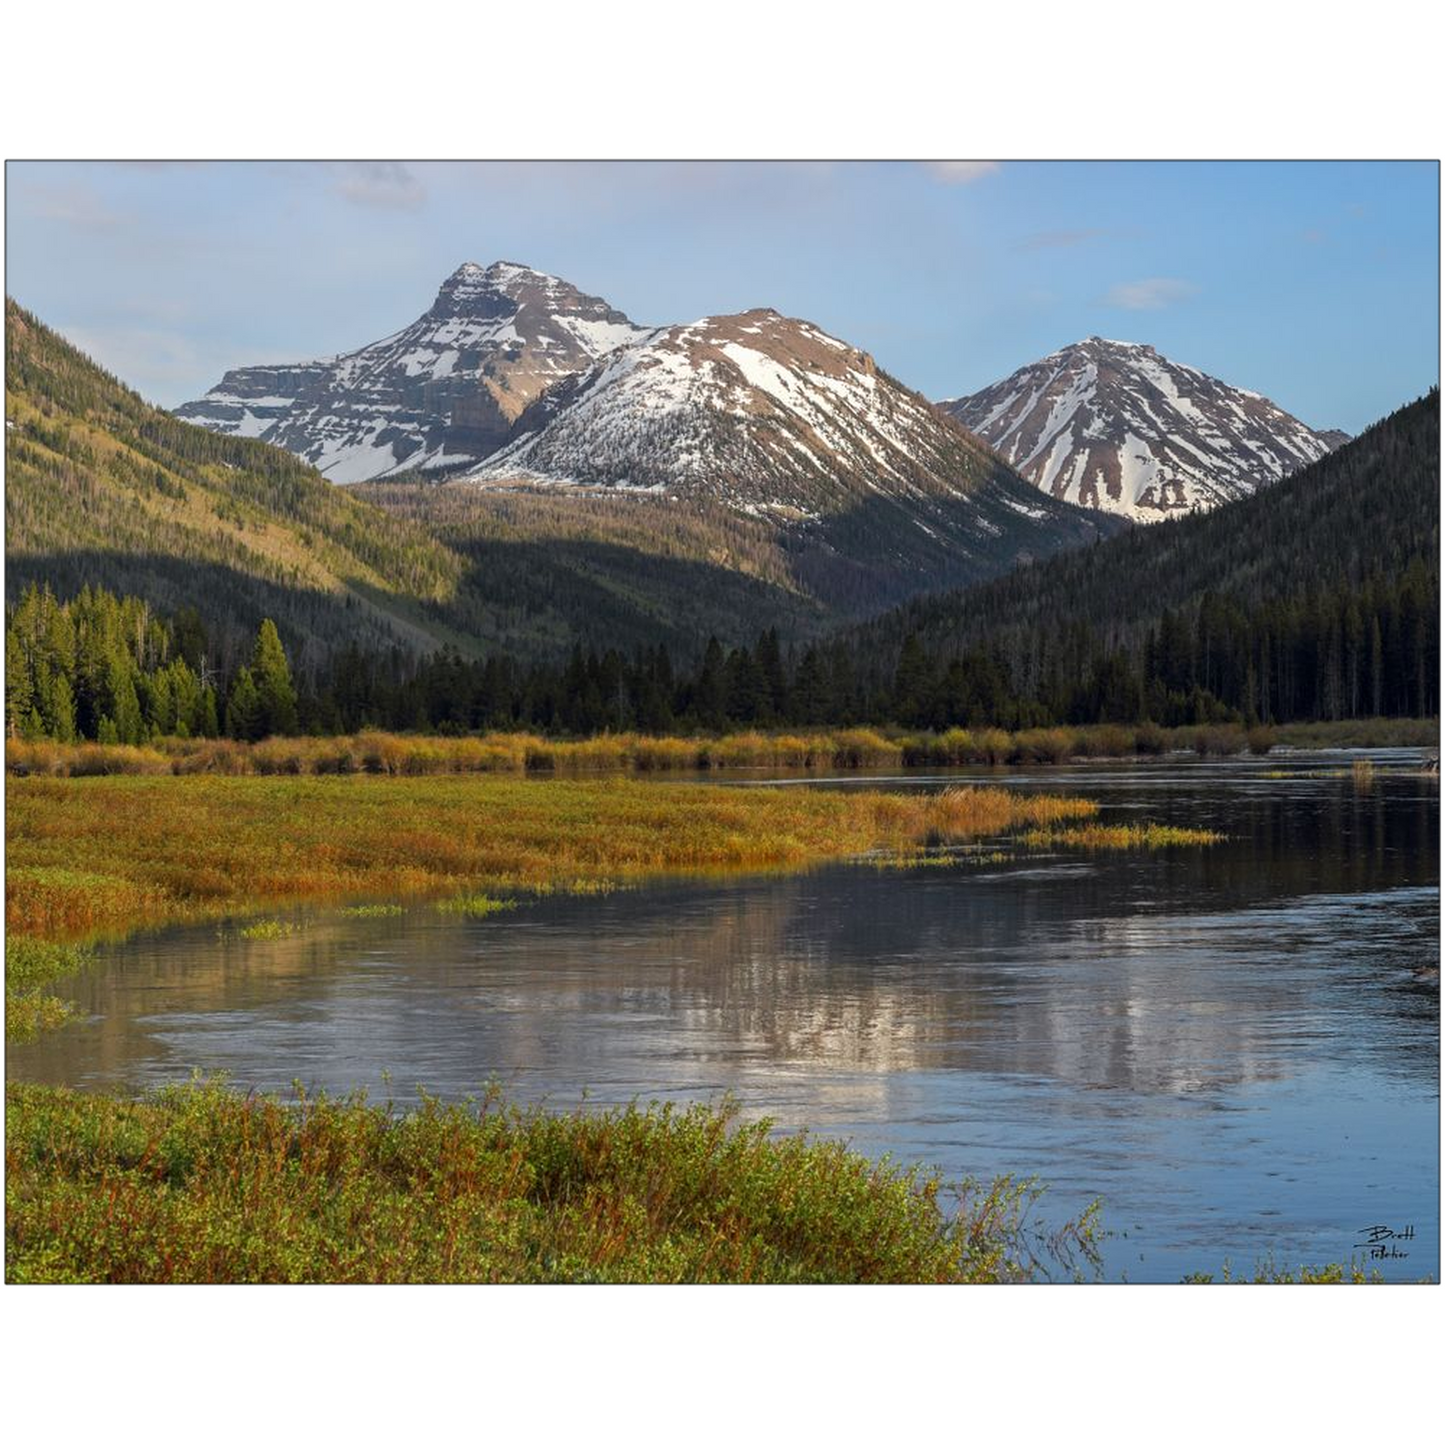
x=1230 y=1046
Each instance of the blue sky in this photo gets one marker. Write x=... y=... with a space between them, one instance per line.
x=1316 y=283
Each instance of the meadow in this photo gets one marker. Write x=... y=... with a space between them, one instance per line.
x=104 y=855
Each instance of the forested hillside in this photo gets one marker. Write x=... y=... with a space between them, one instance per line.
x=105 y=490
x=1317 y=597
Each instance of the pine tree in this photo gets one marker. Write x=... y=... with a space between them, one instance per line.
x=244 y=720
x=271 y=675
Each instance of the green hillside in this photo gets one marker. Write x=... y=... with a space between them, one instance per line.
x=104 y=489
x=546 y=571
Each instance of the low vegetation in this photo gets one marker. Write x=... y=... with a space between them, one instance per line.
x=199 y=1184
x=474 y=905
x=31 y=963
x=1267 y=1272
x=1093 y=836
x=414 y=755
x=268 y=928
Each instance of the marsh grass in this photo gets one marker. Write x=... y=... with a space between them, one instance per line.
x=1351 y=1271
x=474 y=905
x=30 y=963
x=110 y=854
x=1117 y=836
x=201 y=1184
x=373 y=910
x=411 y=755
x=269 y=928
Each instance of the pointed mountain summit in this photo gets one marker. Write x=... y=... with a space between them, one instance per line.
x=1116 y=426
x=441 y=394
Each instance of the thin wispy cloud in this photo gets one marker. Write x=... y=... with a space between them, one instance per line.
x=962 y=173
x=75 y=206
x=383 y=185
x=1153 y=294
x=1058 y=240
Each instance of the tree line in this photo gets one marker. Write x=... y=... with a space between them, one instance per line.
x=108 y=668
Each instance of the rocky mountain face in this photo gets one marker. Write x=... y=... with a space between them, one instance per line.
x=1116 y=426
x=757 y=411
x=874 y=491
x=441 y=394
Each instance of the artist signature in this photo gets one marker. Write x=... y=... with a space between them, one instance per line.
x=1382 y=1242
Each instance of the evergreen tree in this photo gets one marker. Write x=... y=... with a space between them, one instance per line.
x=271 y=676
x=244 y=718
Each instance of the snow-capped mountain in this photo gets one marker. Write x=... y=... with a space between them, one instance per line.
x=442 y=393
x=875 y=492
x=1116 y=426
x=757 y=411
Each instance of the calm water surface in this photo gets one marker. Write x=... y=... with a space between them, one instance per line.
x=1229 y=1045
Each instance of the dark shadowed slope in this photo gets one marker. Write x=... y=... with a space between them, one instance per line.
x=1370 y=509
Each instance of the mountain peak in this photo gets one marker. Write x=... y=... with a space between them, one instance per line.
x=502 y=273
x=756 y=410
x=1116 y=426
x=440 y=394
x=1105 y=343
x=472 y=287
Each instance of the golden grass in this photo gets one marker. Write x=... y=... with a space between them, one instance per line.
x=108 y=854
x=1092 y=836
x=413 y=755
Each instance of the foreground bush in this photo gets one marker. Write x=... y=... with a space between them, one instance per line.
x=200 y=1184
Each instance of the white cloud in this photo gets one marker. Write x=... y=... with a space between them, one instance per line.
x=961 y=173
x=1153 y=294
x=385 y=185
